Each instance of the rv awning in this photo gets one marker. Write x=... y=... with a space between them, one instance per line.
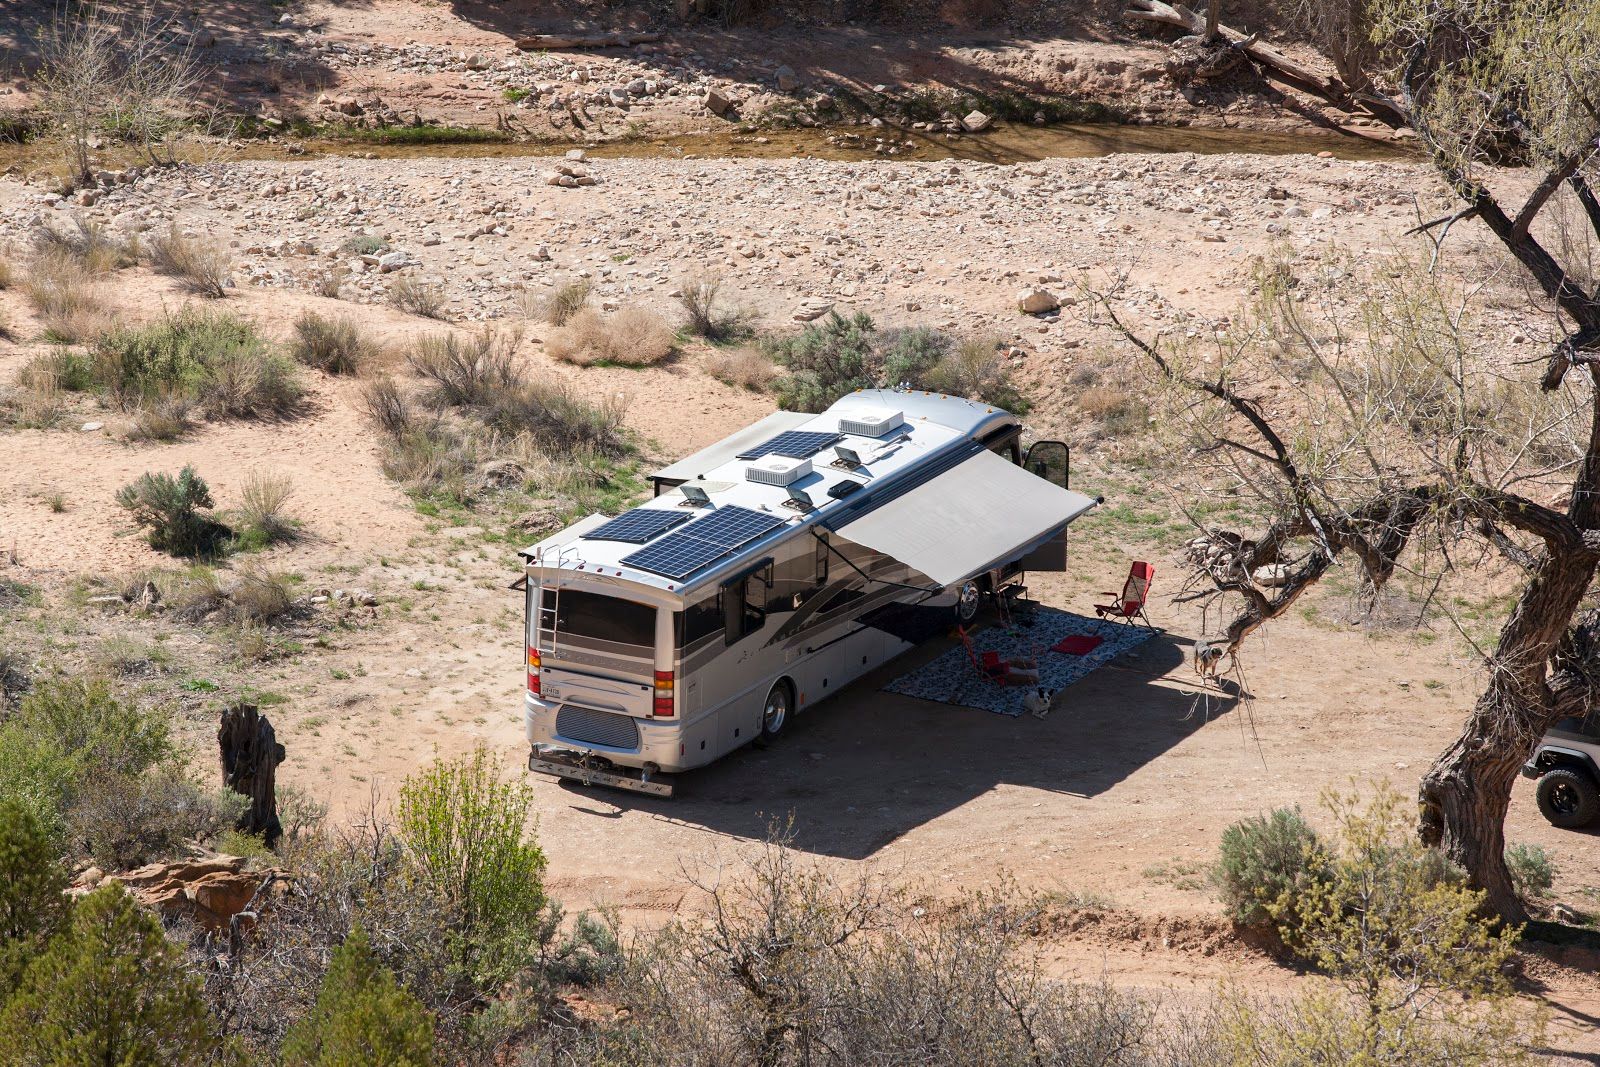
x=982 y=513
x=716 y=455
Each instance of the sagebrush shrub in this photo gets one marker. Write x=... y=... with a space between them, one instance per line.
x=632 y=337
x=467 y=372
x=1266 y=862
x=699 y=296
x=200 y=267
x=170 y=509
x=215 y=359
x=568 y=299
x=1533 y=870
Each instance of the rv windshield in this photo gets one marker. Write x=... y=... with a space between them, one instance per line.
x=601 y=617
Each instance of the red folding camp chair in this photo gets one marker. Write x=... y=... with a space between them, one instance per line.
x=1130 y=605
x=995 y=668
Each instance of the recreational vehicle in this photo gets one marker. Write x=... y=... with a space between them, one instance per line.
x=770 y=570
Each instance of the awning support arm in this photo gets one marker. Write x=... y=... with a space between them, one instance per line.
x=828 y=544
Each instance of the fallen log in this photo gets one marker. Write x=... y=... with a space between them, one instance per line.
x=1328 y=88
x=554 y=42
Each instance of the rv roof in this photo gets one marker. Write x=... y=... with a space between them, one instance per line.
x=934 y=425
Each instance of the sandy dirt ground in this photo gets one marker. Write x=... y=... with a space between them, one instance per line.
x=1120 y=793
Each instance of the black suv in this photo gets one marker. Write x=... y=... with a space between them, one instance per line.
x=1567 y=767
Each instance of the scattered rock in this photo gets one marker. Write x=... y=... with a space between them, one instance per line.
x=788 y=81
x=1037 y=301
x=975 y=122
x=1272 y=576
x=812 y=308
x=717 y=103
x=210 y=891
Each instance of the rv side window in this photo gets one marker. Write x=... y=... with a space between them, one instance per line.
x=700 y=620
x=744 y=603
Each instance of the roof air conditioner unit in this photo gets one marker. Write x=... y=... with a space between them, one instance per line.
x=777 y=470
x=871 y=422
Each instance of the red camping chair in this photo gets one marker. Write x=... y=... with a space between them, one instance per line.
x=1135 y=591
x=989 y=665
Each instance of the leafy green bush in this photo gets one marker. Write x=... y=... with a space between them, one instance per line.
x=170 y=509
x=465 y=827
x=362 y=1017
x=829 y=359
x=109 y=989
x=335 y=345
x=212 y=358
x=1267 y=862
x=1533 y=870
x=33 y=881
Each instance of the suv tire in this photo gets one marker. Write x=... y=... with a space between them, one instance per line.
x=1568 y=797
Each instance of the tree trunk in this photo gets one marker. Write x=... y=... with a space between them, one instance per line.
x=250 y=758
x=1465 y=794
x=1213 y=20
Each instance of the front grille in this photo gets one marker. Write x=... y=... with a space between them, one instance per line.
x=592 y=727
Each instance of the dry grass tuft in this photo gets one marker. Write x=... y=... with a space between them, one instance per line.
x=264 y=511
x=200 y=268
x=334 y=345
x=64 y=294
x=748 y=367
x=86 y=243
x=388 y=407
x=568 y=299
x=260 y=597
x=699 y=298
x=633 y=337
x=162 y=420
x=418 y=298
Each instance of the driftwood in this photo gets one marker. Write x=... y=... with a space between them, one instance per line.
x=554 y=42
x=250 y=758
x=1301 y=77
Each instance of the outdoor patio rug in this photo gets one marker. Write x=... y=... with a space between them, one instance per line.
x=949 y=678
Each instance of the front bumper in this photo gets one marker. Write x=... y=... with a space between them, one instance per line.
x=1531 y=770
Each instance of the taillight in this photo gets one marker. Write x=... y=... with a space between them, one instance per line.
x=664 y=691
x=533 y=672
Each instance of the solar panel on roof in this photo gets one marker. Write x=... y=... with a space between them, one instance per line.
x=675 y=556
x=731 y=527
x=796 y=444
x=637 y=526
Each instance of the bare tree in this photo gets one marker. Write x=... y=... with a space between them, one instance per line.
x=1389 y=437
x=136 y=77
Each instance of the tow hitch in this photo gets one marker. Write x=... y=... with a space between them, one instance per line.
x=584 y=767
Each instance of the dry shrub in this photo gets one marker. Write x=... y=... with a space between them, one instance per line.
x=747 y=366
x=417 y=297
x=568 y=299
x=1117 y=409
x=699 y=298
x=329 y=283
x=190 y=595
x=388 y=407
x=8 y=272
x=86 y=243
x=633 y=337
x=260 y=597
x=558 y=420
x=468 y=372
x=164 y=419
x=64 y=295
x=335 y=345
x=38 y=406
x=199 y=267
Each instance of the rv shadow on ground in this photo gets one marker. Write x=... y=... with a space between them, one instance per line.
x=863 y=768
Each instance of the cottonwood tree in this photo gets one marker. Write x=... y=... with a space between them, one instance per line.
x=1387 y=434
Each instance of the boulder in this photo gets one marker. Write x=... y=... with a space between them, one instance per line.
x=788 y=80
x=1037 y=301
x=717 y=103
x=811 y=309
x=211 y=891
x=975 y=121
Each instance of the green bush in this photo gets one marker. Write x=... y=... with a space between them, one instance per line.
x=212 y=358
x=837 y=356
x=1533 y=870
x=70 y=736
x=33 y=881
x=362 y=1017
x=109 y=989
x=170 y=510
x=126 y=821
x=1267 y=862
x=334 y=345
x=465 y=827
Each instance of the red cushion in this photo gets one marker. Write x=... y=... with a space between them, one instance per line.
x=1077 y=644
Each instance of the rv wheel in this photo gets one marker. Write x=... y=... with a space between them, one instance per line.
x=776 y=714
x=967 y=601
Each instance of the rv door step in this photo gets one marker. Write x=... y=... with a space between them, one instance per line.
x=573 y=766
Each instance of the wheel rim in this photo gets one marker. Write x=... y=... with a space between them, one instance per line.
x=967 y=602
x=1563 y=798
x=777 y=710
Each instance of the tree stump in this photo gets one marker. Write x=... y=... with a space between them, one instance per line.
x=250 y=758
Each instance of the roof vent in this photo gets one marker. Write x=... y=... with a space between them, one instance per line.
x=778 y=470
x=871 y=422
